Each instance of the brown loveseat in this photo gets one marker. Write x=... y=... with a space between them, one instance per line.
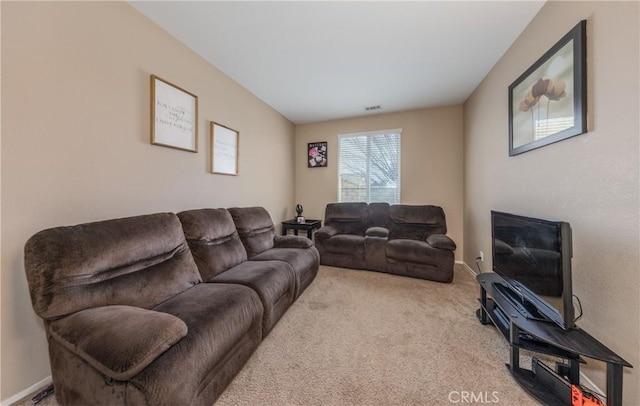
x=399 y=239
x=128 y=319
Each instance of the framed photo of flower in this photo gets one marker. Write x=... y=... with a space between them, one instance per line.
x=317 y=154
x=548 y=102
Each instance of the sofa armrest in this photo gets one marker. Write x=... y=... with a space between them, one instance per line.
x=325 y=233
x=119 y=341
x=291 y=241
x=379 y=232
x=441 y=241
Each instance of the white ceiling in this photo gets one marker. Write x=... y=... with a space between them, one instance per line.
x=321 y=60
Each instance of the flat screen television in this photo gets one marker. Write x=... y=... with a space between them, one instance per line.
x=533 y=257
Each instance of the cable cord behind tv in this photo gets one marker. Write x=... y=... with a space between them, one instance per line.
x=580 y=305
x=478 y=260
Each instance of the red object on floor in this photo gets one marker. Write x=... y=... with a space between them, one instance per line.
x=581 y=398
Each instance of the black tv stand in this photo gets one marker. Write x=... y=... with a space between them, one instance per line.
x=525 y=308
x=546 y=385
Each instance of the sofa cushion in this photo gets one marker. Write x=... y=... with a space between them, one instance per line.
x=255 y=228
x=346 y=244
x=273 y=281
x=379 y=215
x=119 y=341
x=347 y=218
x=137 y=261
x=411 y=251
x=416 y=222
x=213 y=240
x=305 y=263
x=223 y=321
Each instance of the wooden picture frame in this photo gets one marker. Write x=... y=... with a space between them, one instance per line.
x=548 y=102
x=225 y=151
x=174 y=116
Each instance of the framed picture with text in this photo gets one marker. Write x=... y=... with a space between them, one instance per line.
x=224 y=150
x=174 y=116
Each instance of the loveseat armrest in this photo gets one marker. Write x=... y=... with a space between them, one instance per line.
x=378 y=232
x=325 y=232
x=119 y=341
x=441 y=241
x=292 y=241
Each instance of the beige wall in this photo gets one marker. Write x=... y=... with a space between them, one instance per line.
x=75 y=143
x=431 y=154
x=590 y=180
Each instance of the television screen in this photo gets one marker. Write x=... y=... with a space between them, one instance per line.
x=534 y=257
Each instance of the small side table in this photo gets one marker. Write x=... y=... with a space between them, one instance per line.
x=309 y=225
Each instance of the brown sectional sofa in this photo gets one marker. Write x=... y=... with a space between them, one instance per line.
x=258 y=234
x=278 y=268
x=401 y=239
x=128 y=317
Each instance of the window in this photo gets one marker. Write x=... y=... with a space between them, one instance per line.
x=369 y=167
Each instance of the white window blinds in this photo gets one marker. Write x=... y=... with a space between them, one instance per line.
x=369 y=167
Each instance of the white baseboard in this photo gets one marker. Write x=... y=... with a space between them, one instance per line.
x=39 y=385
x=467 y=267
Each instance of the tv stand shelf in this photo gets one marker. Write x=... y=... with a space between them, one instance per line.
x=547 y=338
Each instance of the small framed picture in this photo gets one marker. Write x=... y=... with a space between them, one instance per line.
x=224 y=149
x=174 y=116
x=300 y=220
x=317 y=154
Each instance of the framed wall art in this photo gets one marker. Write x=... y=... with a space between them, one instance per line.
x=174 y=116
x=317 y=154
x=548 y=102
x=225 y=144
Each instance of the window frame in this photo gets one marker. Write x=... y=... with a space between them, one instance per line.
x=397 y=131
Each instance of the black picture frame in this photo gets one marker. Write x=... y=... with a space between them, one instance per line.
x=317 y=154
x=548 y=102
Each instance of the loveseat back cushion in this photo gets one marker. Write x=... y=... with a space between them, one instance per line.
x=347 y=218
x=213 y=239
x=379 y=215
x=255 y=228
x=137 y=261
x=416 y=222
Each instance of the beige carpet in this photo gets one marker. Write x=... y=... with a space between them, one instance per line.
x=366 y=338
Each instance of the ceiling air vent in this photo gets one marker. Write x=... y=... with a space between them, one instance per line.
x=371 y=108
